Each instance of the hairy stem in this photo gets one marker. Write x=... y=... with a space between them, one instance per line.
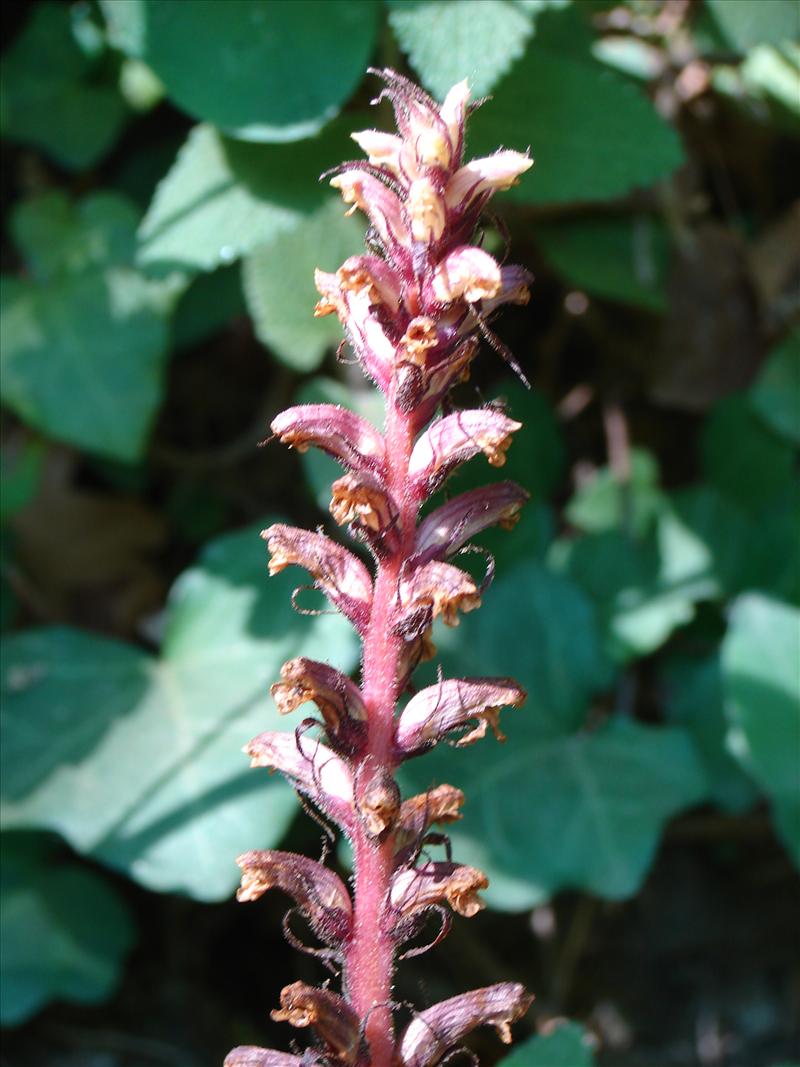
x=371 y=955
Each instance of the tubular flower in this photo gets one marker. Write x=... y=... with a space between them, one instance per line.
x=413 y=309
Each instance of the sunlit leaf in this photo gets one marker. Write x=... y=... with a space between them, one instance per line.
x=261 y=70
x=279 y=285
x=52 y=97
x=137 y=760
x=761 y=680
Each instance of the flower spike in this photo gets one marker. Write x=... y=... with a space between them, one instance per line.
x=414 y=307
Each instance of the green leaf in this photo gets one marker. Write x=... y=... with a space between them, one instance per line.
x=775 y=395
x=539 y=628
x=149 y=775
x=761 y=679
x=51 y=96
x=279 y=285
x=87 y=329
x=20 y=477
x=748 y=24
x=65 y=932
x=606 y=502
x=448 y=40
x=565 y=1046
x=320 y=470
x=563 y=103
x=222 y=198
x=207 y=306
x=743 y=458
x=621 y=259
x=261 y=70
x=640 y=603
x=549 y=814
x=734 y=550
x=693 y=698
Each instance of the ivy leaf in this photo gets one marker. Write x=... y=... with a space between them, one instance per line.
x=238 y=72
x=149 y=775
x=65 y=932
x=762 y=689
x=639 y=603
x=621 y=259
x=693 y=698
x=775 y=395
x=742 y=457
x=745 y=25
x=545 y=814
x=223 y=198
x=51 y=96
x=279 y=285
x=562 y=102
x=448 y=40
x=86 y=329
x=565 y=1046
x=606 y=502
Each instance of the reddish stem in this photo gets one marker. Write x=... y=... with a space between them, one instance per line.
x=371 y=955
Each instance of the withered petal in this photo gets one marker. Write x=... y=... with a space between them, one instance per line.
x=455 y=439
x=340 y=575
x=415 y=888
x=341 y=433
x=252 y=1056
x=432 y=1033
x=331 y=1016
x=311 y=767
x=450 y=526
x=451 y=705
x=319 y=893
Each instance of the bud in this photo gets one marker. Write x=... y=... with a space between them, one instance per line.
x=318 y=892
x=452 y=705
x=426 y=211
x=434 y=1032
x=378 y=802
x=453 y=113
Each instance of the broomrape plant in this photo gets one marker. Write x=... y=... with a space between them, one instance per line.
x=413 y=309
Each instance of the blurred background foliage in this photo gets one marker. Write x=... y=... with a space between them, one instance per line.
x=163 y=219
